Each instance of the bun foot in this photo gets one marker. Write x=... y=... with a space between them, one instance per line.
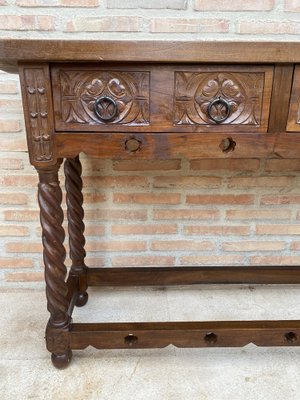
x=82 y=299
x=61 y=361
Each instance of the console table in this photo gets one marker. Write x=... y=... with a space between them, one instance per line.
x=145 y=99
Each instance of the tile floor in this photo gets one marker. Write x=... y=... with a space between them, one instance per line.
x=161 y=374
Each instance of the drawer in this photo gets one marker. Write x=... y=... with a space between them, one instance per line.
x=293 y=124
x=162 y=98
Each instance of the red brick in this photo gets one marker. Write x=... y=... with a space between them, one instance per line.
x=115 y=246
x=275 y=260
x=223 y=230
x=275 y=165
x=18 y=180
x=105 y=24
x=280 y=199
x=57 y=3
x=10 y=105
x=255 y=27
x=11 y=164
x=279 y=229
x=188 y=25
x=21 y=215
x=227 y=164
x=220 y=199
x=8 y=87
x=10 y=125
x=13 y=198
x=181 y=245
x=258 y=214
x=138 y=229
x=94 y=230
x=24 y=247
x=144 y=261
x=113 y=214
x=292 y=5
x=116 y=181
x=295 y=246
x=185 y=214
x=234 y=5
x=261 y=181
x=253 y=246
x=187 y=182
x=11 y=263
x=94 y=198
x=147 y=198
x=146 y=165
x=152 y=4
x=13 y=144
x=212 y=260
x=27 y=22
x=95 y=261
x=13 y=230
x=25 y=277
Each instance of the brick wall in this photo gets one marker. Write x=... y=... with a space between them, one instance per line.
x=217 y=212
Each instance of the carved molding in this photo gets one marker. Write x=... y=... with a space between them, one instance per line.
x=195 y=91
x=79 y=91
x=37 y=99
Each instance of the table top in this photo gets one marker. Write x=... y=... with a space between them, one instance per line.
x=14 y=50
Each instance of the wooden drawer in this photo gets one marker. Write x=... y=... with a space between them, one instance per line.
x=293 y=124
x=162 y=98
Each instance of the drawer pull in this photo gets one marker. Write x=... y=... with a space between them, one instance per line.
x=133 y=145
x=106 y=108
x=218 y=110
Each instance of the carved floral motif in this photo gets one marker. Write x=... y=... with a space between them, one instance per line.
x=81 y=89
x=194 y=92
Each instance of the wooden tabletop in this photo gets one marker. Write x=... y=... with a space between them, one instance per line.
x=13 y=50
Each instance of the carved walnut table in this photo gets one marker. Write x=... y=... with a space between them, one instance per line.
x=150 y=100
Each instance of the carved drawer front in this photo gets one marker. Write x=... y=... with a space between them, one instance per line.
x=223 y=98
x=293 y=124
x=99 y=98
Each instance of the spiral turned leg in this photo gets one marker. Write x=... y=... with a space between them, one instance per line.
x=51 y=216
x=76 y=226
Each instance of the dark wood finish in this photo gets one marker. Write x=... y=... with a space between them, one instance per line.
x=281 y=92
x=140 y=276
x=38 y=113
x=147 y=99
x=54 y=254
x=180 y=96
x=185 y=334
x=14 y=50
x=75 y=214
x=293 y=124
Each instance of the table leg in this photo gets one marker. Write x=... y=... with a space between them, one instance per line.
x=76 y=226
x=54 y=254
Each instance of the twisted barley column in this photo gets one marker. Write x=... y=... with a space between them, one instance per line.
x=54 y=254
x=75 y=214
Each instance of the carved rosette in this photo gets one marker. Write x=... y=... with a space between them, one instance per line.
x=81 y=89
x=37 y=102
x=75 y=214
x=54 y=254
x=194 y=92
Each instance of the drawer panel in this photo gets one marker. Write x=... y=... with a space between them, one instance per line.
x=162 y=98
x=293 y=124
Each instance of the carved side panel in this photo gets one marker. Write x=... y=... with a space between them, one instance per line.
x=293 y=124
x=37 y=102
x=195 y=91
x=78 y=91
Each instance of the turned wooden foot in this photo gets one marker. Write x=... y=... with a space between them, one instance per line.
x=61 y=361
x=82 y=299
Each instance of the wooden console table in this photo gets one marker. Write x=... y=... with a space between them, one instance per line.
x=145 y=100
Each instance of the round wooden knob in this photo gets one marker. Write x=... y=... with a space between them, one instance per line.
x=227 y=145
x=133 y=145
